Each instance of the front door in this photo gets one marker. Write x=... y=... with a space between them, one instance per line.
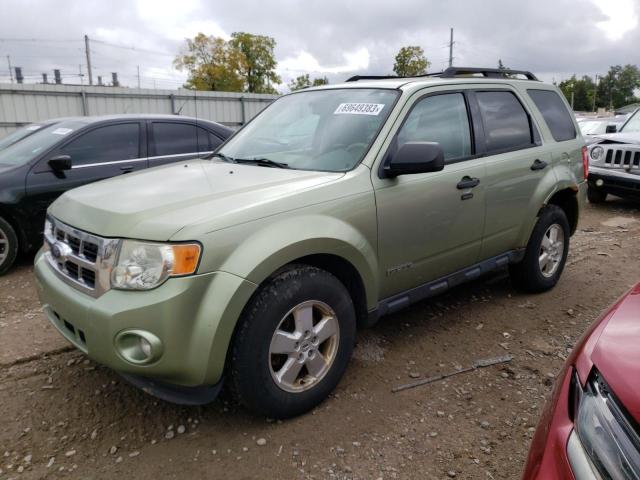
x=430 y=224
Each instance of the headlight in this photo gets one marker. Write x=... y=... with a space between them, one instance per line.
x=597 y=152
x=143 y=266
x=607 y=433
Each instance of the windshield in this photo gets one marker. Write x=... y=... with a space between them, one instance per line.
x=592 y=127
x=19 y=134
x=328 y=130
x=33 y=145
x=633 y=124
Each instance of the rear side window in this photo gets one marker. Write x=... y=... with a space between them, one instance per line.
x=506 y=123
x=105 y=144
x=178 y=138
x=442 y=119
x=555 y=113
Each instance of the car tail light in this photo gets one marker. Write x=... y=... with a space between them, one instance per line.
x=585 y=162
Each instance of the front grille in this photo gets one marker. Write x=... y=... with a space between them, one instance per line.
x=621 y=156
x=81 y=259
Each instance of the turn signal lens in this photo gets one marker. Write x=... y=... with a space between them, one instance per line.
x=185 y=258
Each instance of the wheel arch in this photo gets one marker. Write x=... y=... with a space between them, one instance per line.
x=567 y=200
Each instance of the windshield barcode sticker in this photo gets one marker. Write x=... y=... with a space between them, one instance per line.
x=359 y=108
x=62 y=131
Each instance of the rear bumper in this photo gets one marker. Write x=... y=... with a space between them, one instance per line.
x=193 y=317
x=615 y=182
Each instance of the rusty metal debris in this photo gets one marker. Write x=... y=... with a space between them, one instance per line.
x=482 y=363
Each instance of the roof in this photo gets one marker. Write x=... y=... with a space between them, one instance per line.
x=450 y=75
x=140 y=116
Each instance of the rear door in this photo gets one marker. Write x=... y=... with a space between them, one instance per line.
x=96 y=153
x=516 y=162
x=177 y=141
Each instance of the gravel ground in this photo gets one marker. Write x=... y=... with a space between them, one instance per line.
x=63 y=416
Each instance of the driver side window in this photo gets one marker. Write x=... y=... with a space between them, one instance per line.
x=442 y=119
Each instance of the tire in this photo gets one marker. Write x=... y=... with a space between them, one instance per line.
x=596 y=195
x=531 y=275
x=8 y=246
x=258 y=369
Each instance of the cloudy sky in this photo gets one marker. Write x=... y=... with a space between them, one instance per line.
x=336 y=38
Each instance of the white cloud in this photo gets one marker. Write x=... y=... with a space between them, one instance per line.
x=622 y=17
x=304 y=62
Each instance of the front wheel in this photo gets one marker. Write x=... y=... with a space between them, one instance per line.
x=293 y=343
x=596 y=195
x=546 y=253
x=8 y=246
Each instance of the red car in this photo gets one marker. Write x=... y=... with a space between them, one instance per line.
x=590 y=427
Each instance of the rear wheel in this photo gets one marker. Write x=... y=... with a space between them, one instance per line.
x=293 y=343
x=8 y=246
x=546 y=253
x=596 y=195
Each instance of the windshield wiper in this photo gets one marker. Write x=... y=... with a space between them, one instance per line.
x=262 y=162
x=222 y=156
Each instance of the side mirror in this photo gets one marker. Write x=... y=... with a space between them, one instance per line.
x=60 y=163
x=611 y=129
x=415 y=157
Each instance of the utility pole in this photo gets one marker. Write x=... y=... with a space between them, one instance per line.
x=10 y=69
x=138 y=76
x=80 y=74
x=87 y=51
x=595 y=92
x=451 y=48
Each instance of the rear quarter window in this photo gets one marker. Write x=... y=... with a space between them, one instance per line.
x=555 y=113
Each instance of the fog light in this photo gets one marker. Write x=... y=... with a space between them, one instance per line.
x=138 y=346
x=599 y=182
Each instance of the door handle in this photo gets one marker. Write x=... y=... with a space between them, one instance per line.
x=467 y=182
x=538 y=164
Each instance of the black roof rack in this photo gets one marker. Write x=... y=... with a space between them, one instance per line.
x=453 y=72
x=486 y=72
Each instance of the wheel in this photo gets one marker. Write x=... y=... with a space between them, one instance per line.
x=293 y=343
x=8 y=246
x=546 y=253
x=596 y=195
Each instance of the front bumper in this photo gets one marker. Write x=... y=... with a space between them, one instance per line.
x=616 y=182
x=194 y=318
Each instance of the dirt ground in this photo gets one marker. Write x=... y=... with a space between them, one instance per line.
x=63 y=416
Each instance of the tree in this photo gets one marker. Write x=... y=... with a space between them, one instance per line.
x=410 y=61
x=501 y=65
x=582 y=91
x=212 y=63
x=258 y=68
x=616 y=88
x=303 y=81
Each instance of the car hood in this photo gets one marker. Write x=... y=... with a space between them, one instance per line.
x=616 y=354
x=155 y=204
x=622 y=137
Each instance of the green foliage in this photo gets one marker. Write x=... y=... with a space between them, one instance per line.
x=583 y=90
x=616 y=89
x=303 y=81
x=410 y=61
x=212 y=64
x=258 y=69
x=246 y=63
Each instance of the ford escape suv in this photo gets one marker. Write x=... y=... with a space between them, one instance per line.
x=333 y=207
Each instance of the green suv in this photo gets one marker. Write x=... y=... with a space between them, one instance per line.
x=333 y=207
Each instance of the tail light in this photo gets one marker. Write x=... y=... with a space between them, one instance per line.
x=585 y=162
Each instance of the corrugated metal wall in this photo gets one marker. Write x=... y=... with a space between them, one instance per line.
x=23 y=104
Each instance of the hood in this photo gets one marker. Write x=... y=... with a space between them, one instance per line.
x=622 y=137
x=616 y=354
x=155 y=204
